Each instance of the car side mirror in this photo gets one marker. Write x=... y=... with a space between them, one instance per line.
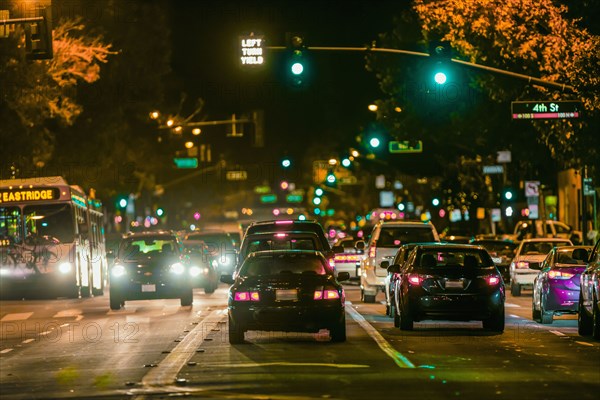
x=384 y=264
x=228 y=279
x=343 y=276
x=360 y=245
x=393 y=269
x=338 y=249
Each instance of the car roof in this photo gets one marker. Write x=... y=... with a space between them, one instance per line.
x=271 y=233
x=545 y=240
x=266 y=253
x=405 y=223
x=149 y=234
x=284 y=222
x=453 y=246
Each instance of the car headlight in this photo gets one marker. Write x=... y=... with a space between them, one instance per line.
x=195 y=271
x=177 y=268
x=215 y=263
x=65 y=268
x=118 y=270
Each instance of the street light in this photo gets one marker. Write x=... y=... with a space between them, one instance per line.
x=196 y=131
x=154 y=114
x=373 y=107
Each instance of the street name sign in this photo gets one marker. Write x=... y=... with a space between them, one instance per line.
x=546 y=109
x=405 y=146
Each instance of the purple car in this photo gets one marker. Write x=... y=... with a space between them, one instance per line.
x=556 y=287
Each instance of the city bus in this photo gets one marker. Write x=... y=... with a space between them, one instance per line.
x=51 y=239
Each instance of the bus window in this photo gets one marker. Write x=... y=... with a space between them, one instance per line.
x=10 y=223
x=53 y=220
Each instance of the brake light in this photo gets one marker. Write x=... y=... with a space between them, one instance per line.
x=331 y=262
x=415 y=279
x=346 y=258
x=284 y=222
x=280 y=235
x=522 y=264
x=327 y=294
x=246 y=296
x=560 y=275
x=493 y=280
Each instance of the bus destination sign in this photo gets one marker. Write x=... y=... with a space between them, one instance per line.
x=546 y=109
x=30 y=194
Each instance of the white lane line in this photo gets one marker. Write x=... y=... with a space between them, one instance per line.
x=63 y=325
x=6 y=351
x=72 y=312
x=557 y=333
x=511 y=305
x=383 y=344
x=513 y=316
x=16 y=317
x=27 y=341
x=285 y=364
x=166 y=371
x=45 y=333
x=585 y=344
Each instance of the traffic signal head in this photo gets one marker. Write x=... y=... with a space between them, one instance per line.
x=374 y=142
x=160 y=212
x=122 y=202
x=297 y=60
x=508 y=194
x=286 y=163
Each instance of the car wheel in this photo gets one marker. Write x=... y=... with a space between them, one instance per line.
x=546 y=316
x=210 y=289
x=584 y=321
x=515 y=289
x=188 y=298
x=115 y=302
x=406 y=320
x=396 y=317
x=337 y=333
x=496 y=322
x=535 y=314
x=596 y=321
x=369 y=298
x=236 y=333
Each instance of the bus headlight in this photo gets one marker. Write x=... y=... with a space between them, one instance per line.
x=65 y=268
x=195 y=271
x=177 y=268
x=118 y=271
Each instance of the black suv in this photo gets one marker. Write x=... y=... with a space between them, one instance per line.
x=150 y=265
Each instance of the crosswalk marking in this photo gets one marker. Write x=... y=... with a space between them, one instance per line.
x=16 y=317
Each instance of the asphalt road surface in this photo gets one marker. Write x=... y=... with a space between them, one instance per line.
x=157 y=349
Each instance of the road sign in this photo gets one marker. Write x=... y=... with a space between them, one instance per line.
x=546 y=109
x=236 y=175
x=405 y=146
x=268 y=198
x=252 y=50
x=493 y=169
x=503 y=156
x=532 y=188
x=186 y=162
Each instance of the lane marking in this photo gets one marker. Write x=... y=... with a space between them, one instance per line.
x=72 y=312
x=511 y=305
x=27 y=341
x=16 y=317
x=514 y=316
x=166 y=371
x=45 y=333
x=585 y=344
x=383 y=344
x=557 y=333
x=286 y=364
x=6 y=351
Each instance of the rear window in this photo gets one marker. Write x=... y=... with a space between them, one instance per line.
x=395 y=236
x=497 y=247
x=291 y=226
x=540 y=248
x=467 y=259
x=308 y=264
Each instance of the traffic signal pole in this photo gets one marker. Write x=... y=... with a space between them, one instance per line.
x=368 y=49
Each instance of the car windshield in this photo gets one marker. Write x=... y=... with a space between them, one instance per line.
x=276 y=264
x=139 y=248
x=395 y=236
x=540 y=248
x=467 y=259
x=572 y=256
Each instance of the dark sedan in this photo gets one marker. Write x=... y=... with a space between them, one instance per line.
x=556 y=288
x=150 y=265
x=450 y=282
x=589 y=296
x=286 y=290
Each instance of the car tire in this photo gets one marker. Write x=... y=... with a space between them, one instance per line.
x=535 y=314
x=187 y=299
x=236 y=333
x=547 y=317
x=596 y=320
x=115 y=302
x=210 y=289
x=406 y=320
x=369 y=298
x=396 y=317
x=515 y=289
x=496 y=322
x=337 y=333
x=584 y=321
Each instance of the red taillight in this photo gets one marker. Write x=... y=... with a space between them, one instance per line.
x=415 y=279
x=346 y=258
x=328 y=294
x=246 y=296
x=493 y=280
x=522 y=264
x=560 y=275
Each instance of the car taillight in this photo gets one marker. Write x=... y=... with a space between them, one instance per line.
x=493 y=280
x=346 y=258
x=372 y=251
x=522 y=264
x=331 y=262
x=327 y=294
x=246 y=296
x=560 y=275
x=415 y=279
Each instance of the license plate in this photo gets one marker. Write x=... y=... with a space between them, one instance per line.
x=148 y=288
x=454 y=284
x=282 y=295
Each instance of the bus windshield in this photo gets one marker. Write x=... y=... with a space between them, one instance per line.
x=55 y=220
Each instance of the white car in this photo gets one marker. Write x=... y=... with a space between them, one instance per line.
x=349 y=260
x=386 y=239
x=531 y=252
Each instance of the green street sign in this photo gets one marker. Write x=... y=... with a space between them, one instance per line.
x=294 y=198
x=187 y=162
x=268 y=198
x=405 y=146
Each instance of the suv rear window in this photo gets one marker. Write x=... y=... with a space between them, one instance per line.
x=394 y=236
x=285 y=226
x=284 y=264
x=468 y=259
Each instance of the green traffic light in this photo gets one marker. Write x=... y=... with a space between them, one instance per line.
x=286 y=163
x=440 y=78
x=160 y=212
x=297 y=68
x=374 y=142
x=319 y=192
x=331 y=178
x=123 y=203
x=508 y=195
